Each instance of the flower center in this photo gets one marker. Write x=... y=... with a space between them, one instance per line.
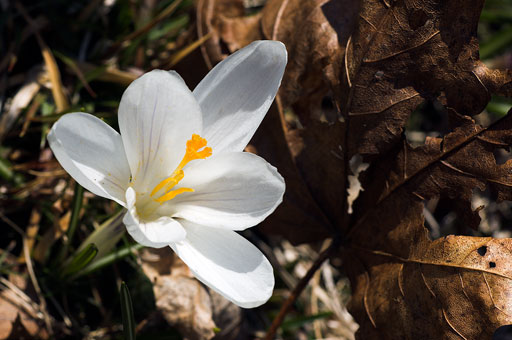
x=193 y=151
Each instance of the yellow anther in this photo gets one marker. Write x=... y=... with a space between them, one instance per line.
x=192 y=152
x=196 y=142
x=171 y=194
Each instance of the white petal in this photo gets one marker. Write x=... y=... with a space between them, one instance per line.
x=92 y=153
x=157 y=115
x=227 y=263
x=157 y=233
x=237 y=93
x=233 y=190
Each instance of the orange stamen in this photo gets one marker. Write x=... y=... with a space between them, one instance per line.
x=169 y=181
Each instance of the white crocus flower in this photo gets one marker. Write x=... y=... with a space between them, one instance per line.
x=179 y=168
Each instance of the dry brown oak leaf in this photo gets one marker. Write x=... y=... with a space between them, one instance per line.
x=380 y=59
x=377 y=61
x=403 y=52
x=18 y=318
x=407 y=286
x=308 y=212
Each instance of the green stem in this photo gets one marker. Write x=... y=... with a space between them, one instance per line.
x=73 y=222
x=75 y=214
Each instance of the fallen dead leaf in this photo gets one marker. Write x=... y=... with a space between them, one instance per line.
x=451 y=288
x=184 y=302
x=18 y=317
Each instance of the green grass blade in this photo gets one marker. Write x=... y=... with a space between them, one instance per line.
x=300 y=321
x=6 y=169
x=8 y=174
x=127 y=313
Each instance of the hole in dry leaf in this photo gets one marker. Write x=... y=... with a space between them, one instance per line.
x=489 y=28
x=447 y=215
x=356 y=167
x=379 y=75
x=495 y=109
x=496 y=218
x=329 y=112
x=327 y=103
x=428 y=120
x=441 y=218
x=253 y=6
x=430 y=221
x=224 y=48
x=503 y=333
x=417 y=18
x=484 y=119
x=482 y=250
x=292 y=119
x=501 y=155
x=492 y=264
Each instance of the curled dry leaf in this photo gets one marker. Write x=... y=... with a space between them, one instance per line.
x=184 y=302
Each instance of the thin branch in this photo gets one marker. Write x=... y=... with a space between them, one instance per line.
x=32 y=275
x=12 y=224
x=285 y=308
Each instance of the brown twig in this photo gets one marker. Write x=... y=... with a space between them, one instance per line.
x=31 y=112
x=285 y=308
x=178 y=56
x=315 y=284
x=32 y=275
x=12 y=224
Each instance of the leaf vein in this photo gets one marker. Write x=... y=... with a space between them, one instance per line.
x=403 y=51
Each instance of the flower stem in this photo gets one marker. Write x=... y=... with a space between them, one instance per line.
x=285 y=308
x=73 y=222
x=109 y=259
x=75 y=214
